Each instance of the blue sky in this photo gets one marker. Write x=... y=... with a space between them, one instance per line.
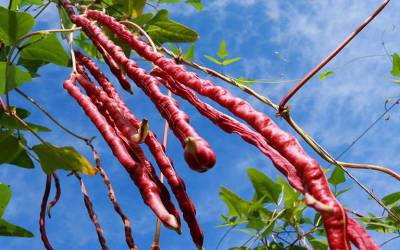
x=334 y=111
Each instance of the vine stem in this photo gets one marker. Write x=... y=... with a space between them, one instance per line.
x=42 y=219
x=45 y=32
x=21 y=121
x=314 y=71
x=142 y=32
x=221 y=76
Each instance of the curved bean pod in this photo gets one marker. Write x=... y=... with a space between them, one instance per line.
x=148 y=189
x=198 y=153
x=163 y=161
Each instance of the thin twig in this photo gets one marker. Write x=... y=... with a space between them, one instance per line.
x=23 y=123
x=92 y=214
x=389 y=240
x=30 y=99
x=301 y=83
x=223 y=77
x=45 y=32
x=42 y=220
x=142 y=32
x=42 y=9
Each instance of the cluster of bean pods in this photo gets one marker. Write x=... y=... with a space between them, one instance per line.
x=124 y=133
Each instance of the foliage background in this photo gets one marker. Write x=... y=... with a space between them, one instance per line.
x=334 y=111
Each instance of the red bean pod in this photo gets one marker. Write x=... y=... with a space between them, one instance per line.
x=198 y=153
x=360 y=238
x=108 y=109
x=230 y=125
x=314 y=178
x=115 y=69
x=129 y=132
x=148 y=189
x=163 y=161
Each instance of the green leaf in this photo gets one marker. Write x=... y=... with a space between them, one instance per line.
x=31 y=65
x=161 y=29
x=11 y=123
x=230 y=61
x=13 y=151
x=396 y=65
x=47 y=48
x=264 y=186
x=143 y=19
x=14 y=77
x=325 y=74
x=337 y=177
x=319 y=244
x=7 y=229
x=196 y=4
x=222 y=52
x=22 y=113
x=392 y=199
x=256 y=224
x=13 y=25
x=212 y=59
x=66 y=21
x=343 y=191
x=15 y=4
x=29 y=2
x=174 y=50
x=5 y=197
x=189 y=55
x=290 y=195
x=67 y=158
x=267 y=231
x=247 y=81
x=236 y=205
x=84 y=42
x=130 y=8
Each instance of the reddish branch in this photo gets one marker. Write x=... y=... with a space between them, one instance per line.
x=42 y=220
x=314 y=71
x=92 y=214
x=57 y=197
